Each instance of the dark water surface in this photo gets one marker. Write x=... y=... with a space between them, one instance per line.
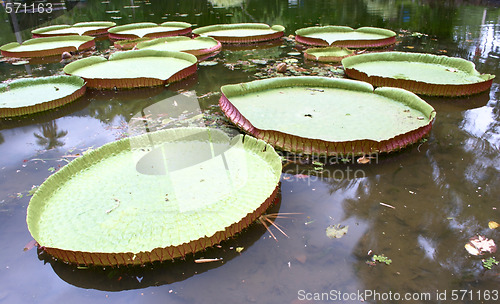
x=444 y=190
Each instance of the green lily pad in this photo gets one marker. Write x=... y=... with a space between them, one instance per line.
x=328 y=54
x=345 y=36
x=241 y=32
x=153 y=197
x=31 y=95
x=197 y=46
x=131 y=69
x=149 y=29
x=319 y=115
x=94 y=28
x=420 y=73
x=47 y=46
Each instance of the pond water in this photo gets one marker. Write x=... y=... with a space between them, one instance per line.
x=443 y=191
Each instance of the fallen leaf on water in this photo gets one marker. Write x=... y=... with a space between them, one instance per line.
x=478 y=245
x=239 y=249
x=493 y=225
x=336 y=231
x=471 y=249
x=363 y=160
x=20 y=62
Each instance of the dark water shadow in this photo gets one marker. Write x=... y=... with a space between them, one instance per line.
x=457 y=104
x=157 y=273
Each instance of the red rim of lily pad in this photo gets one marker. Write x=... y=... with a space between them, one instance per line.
x=95 y=28
x=77 y=90
x=15 y=49
x=328 y=54
x=169 y=28
x=453 y=65
x=315 y=146
x=94 y=81
x=383 y=37
x=183 y=227
x=210 y=45
x=216 y=32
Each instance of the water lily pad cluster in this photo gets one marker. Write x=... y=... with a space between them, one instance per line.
x=295 y=106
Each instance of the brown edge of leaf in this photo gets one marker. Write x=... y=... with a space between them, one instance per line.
x=128 y=83
x=419 y=87
x=248 y=39
x=12 y=112
x=372 y=43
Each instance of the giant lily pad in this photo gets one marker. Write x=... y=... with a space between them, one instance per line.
x=153 y=197
x=420 y=73
x=327 y=116
x=345 y=36
x=95 y=28
x=327 y=54
x=198 y=46
x=149 y=29
x=31 y=95
x=132 y=69
x=47 y=46
x=241 y=32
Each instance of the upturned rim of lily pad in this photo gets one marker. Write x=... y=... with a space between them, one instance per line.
x=129 y=82
x=388 y=37
x=482 y=82
x=277 y=32
x=316 y=146
x=211 y=45
x=180 y=28
x=42 y=104
x=9 y=49
x=328 y=54
x=47 y=31
x=183 y=232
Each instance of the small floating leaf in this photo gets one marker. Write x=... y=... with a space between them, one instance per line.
x=493 y=225
x=336 y=231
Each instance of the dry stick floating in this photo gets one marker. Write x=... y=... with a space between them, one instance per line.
x=387 y=205
x=199 y=261
x=266 y=217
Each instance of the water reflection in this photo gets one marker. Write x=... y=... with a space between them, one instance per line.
x=444 y=190
x=226 y=3
x=50 y=137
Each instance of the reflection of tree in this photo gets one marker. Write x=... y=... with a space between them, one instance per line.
x=50 y=136
x=1 y=139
